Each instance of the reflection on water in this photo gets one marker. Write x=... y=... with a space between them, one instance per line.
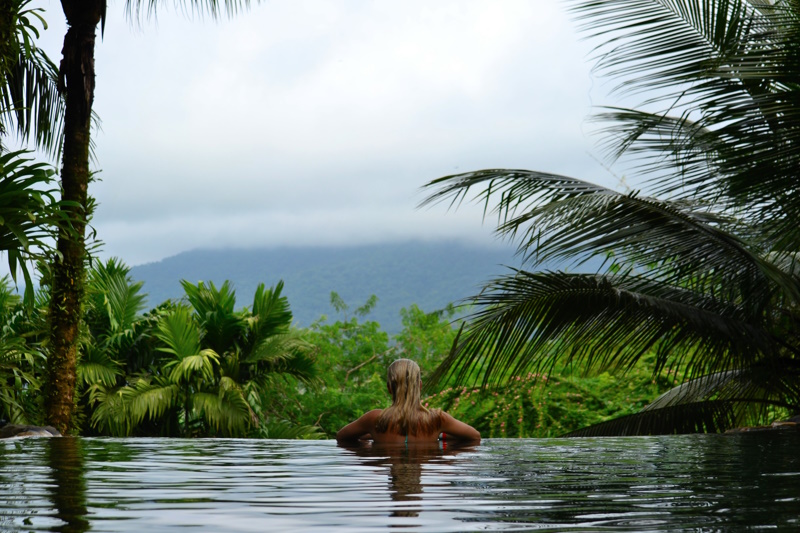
x=68 y=490
x=405 y=469
x=702 y=483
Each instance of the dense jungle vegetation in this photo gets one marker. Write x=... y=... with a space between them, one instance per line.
x=206 y=365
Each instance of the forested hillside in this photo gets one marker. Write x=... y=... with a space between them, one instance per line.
x=430 y=275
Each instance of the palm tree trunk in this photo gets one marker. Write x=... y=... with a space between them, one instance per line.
x=7 y=38
x=76 y=79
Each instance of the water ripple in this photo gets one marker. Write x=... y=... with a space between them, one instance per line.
x=703 y=483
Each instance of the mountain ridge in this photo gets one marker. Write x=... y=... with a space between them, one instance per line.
x=429 y=274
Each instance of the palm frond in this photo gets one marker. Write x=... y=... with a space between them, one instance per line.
x=140 y=10
x=302 y=365
x=116 y=293
x=108 y=411
x=288 y=354
x=665 y=44
x=29 y=214
x=271 y=313
x=216 y=316
x=699 y=417
x=227 y=412
x=96 y=367
x=282 y=429
x=200 y=365
x=277 y=348
x=599 y=322
x=713 y=403
x=706 y=277
x=694 y=390
x=30 y=103
x=729 y=74
x=147 y=399
x=177 y=331
x=557 y=217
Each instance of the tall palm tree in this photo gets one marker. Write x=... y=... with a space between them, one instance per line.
x=77 y=84
x=701 y=264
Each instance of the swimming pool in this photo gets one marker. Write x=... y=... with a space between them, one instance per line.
x=676 y=483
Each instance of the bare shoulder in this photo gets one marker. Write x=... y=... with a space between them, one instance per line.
x=360 y=428
x=373 y=415
x=455 y=428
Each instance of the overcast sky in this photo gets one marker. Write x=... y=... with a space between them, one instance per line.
x=317 y=122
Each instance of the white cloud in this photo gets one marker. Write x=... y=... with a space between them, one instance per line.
x=317 y=121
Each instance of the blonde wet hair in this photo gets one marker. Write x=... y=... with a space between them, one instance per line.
x=407 y=415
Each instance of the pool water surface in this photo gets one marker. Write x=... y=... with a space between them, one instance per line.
x=676 y=483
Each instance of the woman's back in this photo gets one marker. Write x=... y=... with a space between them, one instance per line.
x=406 y=420
x=365 y=428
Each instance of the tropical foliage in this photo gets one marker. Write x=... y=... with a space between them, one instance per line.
x=30 y=105
x=28 y=212
x=31 y=110
x=199 y=368
x=701 y=262
x=196 y=367
x=127 y=360
x=22 y=359
x=553 y=405
x=352 y=355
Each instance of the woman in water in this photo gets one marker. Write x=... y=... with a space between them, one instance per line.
x=406 y=421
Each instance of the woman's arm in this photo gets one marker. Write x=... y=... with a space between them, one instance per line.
x=359 y=428
x=459 y=430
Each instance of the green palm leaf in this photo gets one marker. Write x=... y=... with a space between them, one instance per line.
x=147 y=399
x=221 y=325
x=599 y=322
x=141 y=9
x=199 y=365
x=227 y=412
x=108 y=412
x=556 y=217
x=712 y=403
x=699 y=417
x=271 y=313
x=96 y=367
x=179 y=333
x=30 y=103
x=112 y=290
x=288 y=353
x=727 y=75
x=28 y=212
x=663 y=43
